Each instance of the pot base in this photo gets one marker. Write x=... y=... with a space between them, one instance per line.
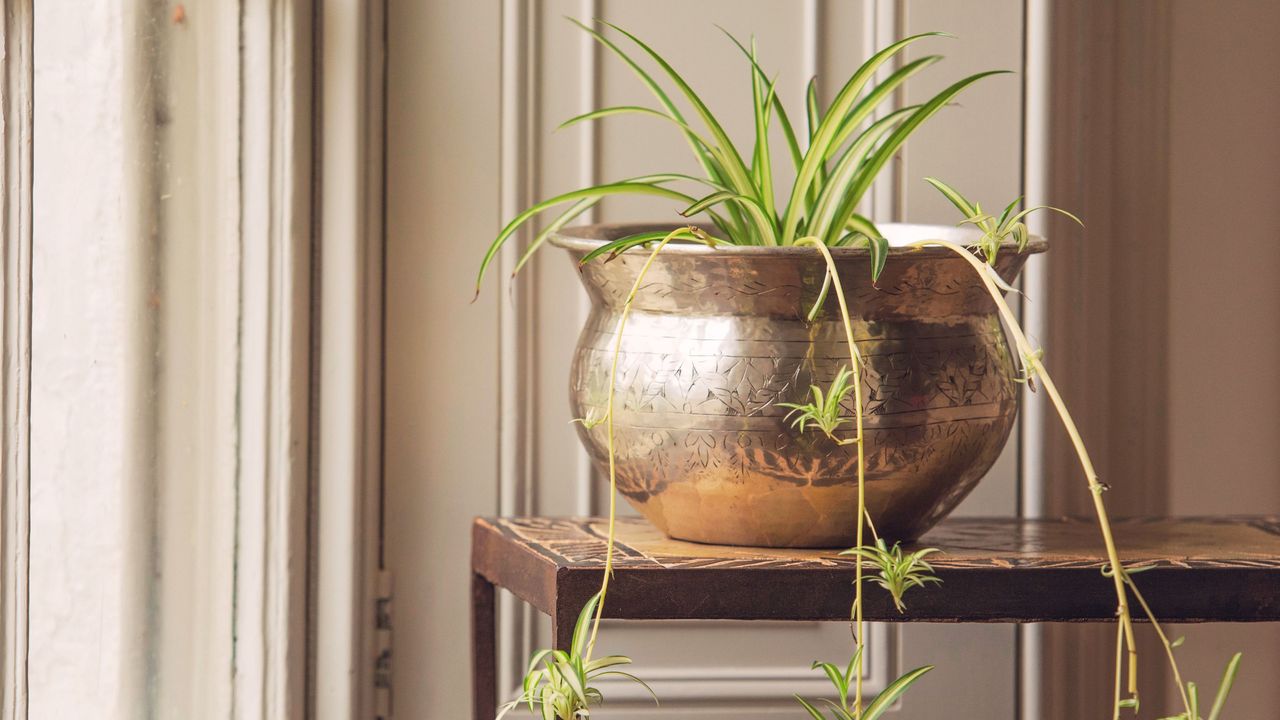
x=755 y=508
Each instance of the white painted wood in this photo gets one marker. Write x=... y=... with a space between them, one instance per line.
x=169 y=360
x=1032 y=419
x=188 y=191
x=80 y=430
x=517 y=425
x=275 y=342
x=15 y=384
x=347 y=511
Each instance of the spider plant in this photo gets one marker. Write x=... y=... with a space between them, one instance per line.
x=824 y=412
x=899 y=570
x=842 y=680
x=561 y=689
x=994 y=230
x=843 y=148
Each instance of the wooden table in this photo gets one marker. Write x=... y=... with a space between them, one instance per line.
x=993 y=570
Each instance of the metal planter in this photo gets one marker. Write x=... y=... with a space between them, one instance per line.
x=717 y=338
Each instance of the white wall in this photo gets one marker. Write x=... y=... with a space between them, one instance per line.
x=78 y=373
x=1225 y=301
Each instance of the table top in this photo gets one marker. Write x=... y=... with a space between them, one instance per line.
x=993 y=570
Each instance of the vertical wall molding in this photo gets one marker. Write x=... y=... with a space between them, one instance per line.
x=15 y=123
x=1032 y=419
x=588 y=500
x=274 y=365
x=517 y=349
x=1107 y=294
x=347 y=393
x=138 y=496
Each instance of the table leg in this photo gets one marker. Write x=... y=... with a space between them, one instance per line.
x=484 y=648
x=562 y=622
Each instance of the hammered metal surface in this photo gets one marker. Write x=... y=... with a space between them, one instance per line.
x=717 y=339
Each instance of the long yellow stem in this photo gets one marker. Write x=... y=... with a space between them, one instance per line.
x=862 y=499
x=613 y=465
x=1035 y=368
x=1164 y=640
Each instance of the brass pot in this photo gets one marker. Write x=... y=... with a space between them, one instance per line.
x=717 y=338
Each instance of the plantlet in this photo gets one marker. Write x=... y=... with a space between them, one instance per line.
x=561 y=688
x=842 y=680
x=899 y=571
x=994 y=230
x=844 y=149
x=824 y=411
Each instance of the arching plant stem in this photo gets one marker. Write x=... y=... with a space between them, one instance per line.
x=1034 y=368
x=862 y=465
x=691 y=233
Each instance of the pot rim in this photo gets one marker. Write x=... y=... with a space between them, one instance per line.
x=589 y=237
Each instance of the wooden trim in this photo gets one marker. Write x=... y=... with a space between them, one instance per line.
x=347 y=394
x=517 y=356
x=1107 y=302
x=139 y=198
x=1031 y=421
x=16 y=94
x=275 y=320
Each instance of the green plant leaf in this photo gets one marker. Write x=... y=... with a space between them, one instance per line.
x=879 y=248
x=616 y=247
x=647 y=80
x=890 y=694
x=813 y=113
x=621 y=188
x=761 y=167
x=636 y=680
x=568 y=216
x=962 y=204
x=607 y=661
x=709 y=201
x=809 y=708
x=1001 y=224
x=1224 y=688
x=581 y=628
x=738 y=175
x=788 y=130
x=828 y=127
x=1020 y=236
x=837 y=680
x=879 y=94
x=701 y=141
x=1030 y=210
x=835 y=194
x=868 y=170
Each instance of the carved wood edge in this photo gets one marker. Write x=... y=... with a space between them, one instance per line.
x=556 y=564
